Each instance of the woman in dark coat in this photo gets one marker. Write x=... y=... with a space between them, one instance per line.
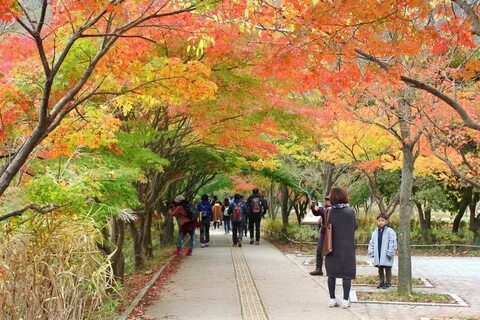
x=340 y=263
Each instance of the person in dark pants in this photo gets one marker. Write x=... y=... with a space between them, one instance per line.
x=237 y=212
x=226 y=216
x=340 y=263
x=382 y=248
x=245 y=226
x=257 y=207
x=320 y=211
x=205 y=213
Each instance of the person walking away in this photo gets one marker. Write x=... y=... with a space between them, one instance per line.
x=183 y=211
x=213 y=200
x=320 y=211
x=382 y=248
x=257 y=207
x=226 y=216
x=217 y=215
x=340 y=263
x=205 y=213
x=245 y=218
x=237 y=211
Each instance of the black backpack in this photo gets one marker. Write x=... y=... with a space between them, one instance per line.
x=192 y=212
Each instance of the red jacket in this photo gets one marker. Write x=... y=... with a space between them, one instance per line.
x=180 y=213
x=184 y=222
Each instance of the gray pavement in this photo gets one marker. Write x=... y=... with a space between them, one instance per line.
x=260 y=282
x=458 y=275
x=203 y=288
x=221 y=282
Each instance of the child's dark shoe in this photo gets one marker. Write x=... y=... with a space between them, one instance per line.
x=381 y=285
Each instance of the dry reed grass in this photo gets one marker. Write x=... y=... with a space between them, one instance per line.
x=50 y=268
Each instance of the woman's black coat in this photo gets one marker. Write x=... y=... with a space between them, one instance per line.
x=340 y=263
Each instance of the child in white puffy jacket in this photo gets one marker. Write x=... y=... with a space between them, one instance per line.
x=382 y=248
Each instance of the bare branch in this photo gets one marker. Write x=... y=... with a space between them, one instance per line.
x=41 y=21
x=33 y=207
x=467 y=120
x=371 y=58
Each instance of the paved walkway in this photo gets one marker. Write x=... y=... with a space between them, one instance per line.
x=260 y=282
x=458 y=275
x=249 y=283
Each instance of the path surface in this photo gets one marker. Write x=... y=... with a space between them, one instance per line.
x=252 y=282
x=260 y=282
x=458 y=275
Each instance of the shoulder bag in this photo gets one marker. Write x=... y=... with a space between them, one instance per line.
x=327 y=246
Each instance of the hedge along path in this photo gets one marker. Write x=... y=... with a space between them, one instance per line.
x=436 y=245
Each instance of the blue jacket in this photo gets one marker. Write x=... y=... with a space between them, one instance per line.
x=205 y=207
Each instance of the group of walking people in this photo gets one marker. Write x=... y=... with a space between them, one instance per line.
x=337 y=225
x=238 y=216
x=340 y=259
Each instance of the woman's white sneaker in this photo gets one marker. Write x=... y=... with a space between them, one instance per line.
x=332 y=303
x=345 y=304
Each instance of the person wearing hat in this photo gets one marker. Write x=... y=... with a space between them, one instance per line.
x=320 y=211
x=186 y=225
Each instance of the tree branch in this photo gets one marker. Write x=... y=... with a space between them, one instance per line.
x=467 y=120
x=33 y=207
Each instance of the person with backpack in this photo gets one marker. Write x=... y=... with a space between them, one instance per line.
x=205 y=215
x=237 y=212
x=245 y=218
x=226 y=215
x=186 y=220
x=257 y=207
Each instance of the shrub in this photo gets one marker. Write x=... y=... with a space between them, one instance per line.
x=302 y=233
x=51 y=269
x=273 y=225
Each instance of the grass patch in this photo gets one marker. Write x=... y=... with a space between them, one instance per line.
x=371 y=280
x=361 y=262
x=392 y=296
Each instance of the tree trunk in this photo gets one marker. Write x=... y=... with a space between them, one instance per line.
x=284 y=203
x=428 y=218
x=118 y=259
x=298 y=213
x=406 y=211
x=474 y=220
x=466 y=199
x=168 y=230
x=272 y=208
x=147 y=234
x=327 y=177
x=137 y=247
x=11 y=168
x=424 y=216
